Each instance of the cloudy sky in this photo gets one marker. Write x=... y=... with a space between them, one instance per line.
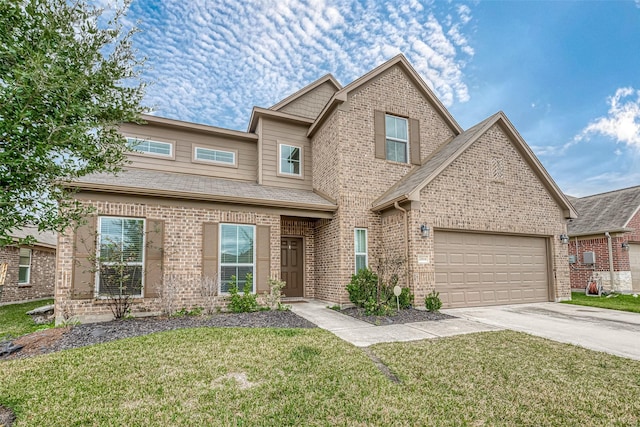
x=565 y=73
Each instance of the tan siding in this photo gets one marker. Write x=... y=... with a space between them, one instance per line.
x=312 y=103
x=273 y=133
x=247 y=157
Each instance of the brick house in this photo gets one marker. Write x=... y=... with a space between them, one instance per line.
x=609 y=228
x=30 y=270
x=328 y=180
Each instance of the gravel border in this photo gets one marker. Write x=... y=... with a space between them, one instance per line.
x=409 y=315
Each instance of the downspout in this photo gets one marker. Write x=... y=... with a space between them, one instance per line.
x=406 y=235
x=610 y=259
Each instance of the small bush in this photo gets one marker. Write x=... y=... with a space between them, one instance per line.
x=406 y=298
x=247 y=302
x=273 y=299
x=367 y=291
x=363 y=287
x=432 y=301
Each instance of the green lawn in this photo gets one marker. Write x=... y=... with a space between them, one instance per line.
x=14 y=322
x=271 y=377
x=615 y=302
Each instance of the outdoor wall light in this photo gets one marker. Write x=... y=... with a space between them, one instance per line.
x=625 y=246
x=564 y=239
x=424 y=230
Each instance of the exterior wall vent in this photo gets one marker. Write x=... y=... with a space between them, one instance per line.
x=572 y=259
x=589 y=257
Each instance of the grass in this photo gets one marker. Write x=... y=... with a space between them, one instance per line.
x=274 y=377
x=615 y=302
x=14 y=321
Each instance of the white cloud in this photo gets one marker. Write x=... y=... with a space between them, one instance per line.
x=212 y=61
x=622 y=122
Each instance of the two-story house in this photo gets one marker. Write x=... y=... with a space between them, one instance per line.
x=327 y=181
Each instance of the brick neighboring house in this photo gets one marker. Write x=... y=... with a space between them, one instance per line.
x=617 y=256
x=327 y=181
x=30 y=269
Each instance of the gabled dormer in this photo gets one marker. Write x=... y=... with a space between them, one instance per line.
x=309 y=101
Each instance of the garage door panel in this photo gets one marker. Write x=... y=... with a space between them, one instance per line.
x=475 y=269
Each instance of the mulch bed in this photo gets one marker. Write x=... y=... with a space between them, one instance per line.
x=57 y=339
x=409 y=315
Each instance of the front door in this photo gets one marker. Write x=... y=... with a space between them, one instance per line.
x=292 y=267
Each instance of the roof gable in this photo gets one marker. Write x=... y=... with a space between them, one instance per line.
x=409 y=187
x=325 y=80
x=397 y=61
x=609 y=211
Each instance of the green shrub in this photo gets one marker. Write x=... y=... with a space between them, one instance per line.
x=247 y=302
x=363 y=287
x=367 y=291
x=406 y=298
x=432 y=301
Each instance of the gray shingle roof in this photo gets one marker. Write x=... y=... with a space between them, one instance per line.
x=420 y=176
x=199 y=187
x=604 y=212
x=44 y=238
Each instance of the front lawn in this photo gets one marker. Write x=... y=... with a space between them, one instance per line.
x=614 y=302
x=14 y=321
x=262 y=377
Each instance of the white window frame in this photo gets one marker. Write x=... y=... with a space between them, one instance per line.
x=28 y=267
x=355 y=248
x=133 y=140
x=280 y=172
x=141 y=263
x=221 y=264
x=196 y=159
x=396 y=140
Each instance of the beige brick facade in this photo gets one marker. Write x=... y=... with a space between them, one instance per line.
x=41 y=277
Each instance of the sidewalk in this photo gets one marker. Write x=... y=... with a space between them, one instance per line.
x=363 y=334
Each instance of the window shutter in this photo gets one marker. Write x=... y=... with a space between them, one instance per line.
x=380 y=134
x=414 y=141
x=153 y=259
x=83 y=276
x=263 y=257
x=210 y=250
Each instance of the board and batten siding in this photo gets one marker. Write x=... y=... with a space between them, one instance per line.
x=277 y=132
x=246 y=158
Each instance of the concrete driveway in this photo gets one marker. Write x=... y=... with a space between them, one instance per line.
x=610 y=331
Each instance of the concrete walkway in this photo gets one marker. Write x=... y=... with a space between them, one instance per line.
x=363 y=334
x=610 y=331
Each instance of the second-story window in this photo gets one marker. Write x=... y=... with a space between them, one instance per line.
x=290 y=160
x=146 y=146
x=215 y=156
x=397 y=141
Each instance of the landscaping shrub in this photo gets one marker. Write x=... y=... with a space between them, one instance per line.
x=246 y=302
x=374 y=293
x=432 y=301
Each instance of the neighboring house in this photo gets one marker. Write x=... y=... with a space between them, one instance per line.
x=609 y=228
x=31 y=270
x=327 y=181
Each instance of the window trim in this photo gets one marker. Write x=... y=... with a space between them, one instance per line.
x=278 y=159
x=28 y=267
x=388 y=138
x=355 y=248
x=195 y=159
x=142 y=263
x=171 y=143
x=253 y=265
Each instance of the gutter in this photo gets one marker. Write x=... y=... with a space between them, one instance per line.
x=406 y=234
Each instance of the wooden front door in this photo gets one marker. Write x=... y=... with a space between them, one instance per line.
x=292 y=266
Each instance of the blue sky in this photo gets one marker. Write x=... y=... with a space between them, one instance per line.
x=566 y=73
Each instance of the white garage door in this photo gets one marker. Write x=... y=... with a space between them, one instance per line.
x=634 y=263
x=488 y=269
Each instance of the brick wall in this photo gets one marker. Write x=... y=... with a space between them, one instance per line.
x=182 y=254
x=581 y=273
x=42 y=275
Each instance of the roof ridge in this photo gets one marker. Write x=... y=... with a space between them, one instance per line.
x=610 y=192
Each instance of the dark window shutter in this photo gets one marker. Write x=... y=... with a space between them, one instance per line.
x=414 y=141
x=210 y=250
x=380 y=134
x=263 y=257
x=153 y=259
x=84 y=271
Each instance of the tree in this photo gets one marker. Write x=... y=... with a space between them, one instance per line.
x=68 y=76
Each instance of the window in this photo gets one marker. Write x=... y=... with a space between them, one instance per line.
x=361 y=249
x=24 y=266
x=397 y=141
x=290 y=160
x=120 y=256
x=215 y=156
x=156 y=148
x=236 y=255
